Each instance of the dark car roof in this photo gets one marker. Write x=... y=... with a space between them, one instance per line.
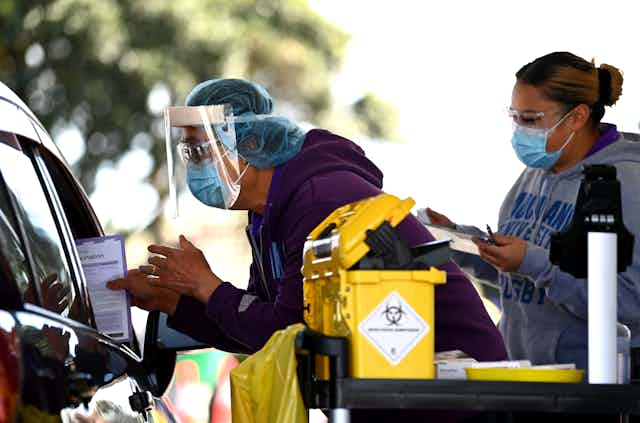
x=17 y=118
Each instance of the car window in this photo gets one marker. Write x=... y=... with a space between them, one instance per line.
x=76 y=206
x=79 y=216
x=10 y=245
x=32 y=211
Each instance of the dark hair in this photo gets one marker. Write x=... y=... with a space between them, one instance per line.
x=571 y=80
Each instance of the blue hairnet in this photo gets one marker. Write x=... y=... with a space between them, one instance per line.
x=263 y=143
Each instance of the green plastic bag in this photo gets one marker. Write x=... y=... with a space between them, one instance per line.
x=264 y=387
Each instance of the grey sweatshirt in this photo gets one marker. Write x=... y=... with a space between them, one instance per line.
x=545 y=309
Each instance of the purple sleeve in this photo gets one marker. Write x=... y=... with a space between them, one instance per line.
x=228 y=323
x=190 y=318
x=248 y=319
x=462 y=322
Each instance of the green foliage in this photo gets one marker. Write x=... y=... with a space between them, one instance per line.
x=93 y=63
x=379 y=118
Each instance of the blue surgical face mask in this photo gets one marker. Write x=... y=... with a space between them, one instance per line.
x=205 y=184
x=530 y=145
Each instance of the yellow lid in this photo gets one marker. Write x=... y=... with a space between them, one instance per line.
x=352 y=222
x=526 y=375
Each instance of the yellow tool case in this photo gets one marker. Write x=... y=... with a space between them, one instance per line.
x=362 y=282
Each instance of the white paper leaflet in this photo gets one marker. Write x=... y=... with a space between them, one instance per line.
x=103 y=259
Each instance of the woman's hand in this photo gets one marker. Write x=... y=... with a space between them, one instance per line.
x=440 y=219
x=144 y=294
x=183 y=270
x=506 y=255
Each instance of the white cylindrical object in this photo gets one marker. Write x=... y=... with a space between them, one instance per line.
x=339 y=415
x=603 y=306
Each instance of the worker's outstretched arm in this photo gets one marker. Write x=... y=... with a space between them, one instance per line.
x=251 y=320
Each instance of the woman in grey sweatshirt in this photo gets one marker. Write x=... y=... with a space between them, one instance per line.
x=557 y=105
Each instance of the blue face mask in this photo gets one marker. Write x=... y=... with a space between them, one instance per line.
x=205 y=184
x=530 y=145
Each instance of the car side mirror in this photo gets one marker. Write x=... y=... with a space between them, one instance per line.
x=161 y=345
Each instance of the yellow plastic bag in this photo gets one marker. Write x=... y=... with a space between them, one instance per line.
x=264 y=387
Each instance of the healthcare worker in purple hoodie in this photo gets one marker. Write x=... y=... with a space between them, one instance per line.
x=288 y=181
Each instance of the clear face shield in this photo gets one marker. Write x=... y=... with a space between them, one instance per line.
x=204 y=139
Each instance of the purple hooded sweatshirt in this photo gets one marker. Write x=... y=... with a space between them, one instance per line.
x=329 y=172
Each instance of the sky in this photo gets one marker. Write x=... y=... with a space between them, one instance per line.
x=448 y=67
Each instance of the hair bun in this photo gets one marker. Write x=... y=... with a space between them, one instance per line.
x=610 y=80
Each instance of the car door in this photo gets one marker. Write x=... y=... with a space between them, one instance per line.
x=69 y=371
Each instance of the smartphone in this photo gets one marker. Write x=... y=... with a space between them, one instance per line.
x=486 y=239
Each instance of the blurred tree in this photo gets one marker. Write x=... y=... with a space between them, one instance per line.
x=107 y=68
x=380 y=119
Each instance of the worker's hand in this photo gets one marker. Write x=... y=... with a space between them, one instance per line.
x=506 y=255
x=184 y=270
x=440 y=219
x=144 y=294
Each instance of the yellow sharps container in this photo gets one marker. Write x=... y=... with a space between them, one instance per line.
x=362 y=282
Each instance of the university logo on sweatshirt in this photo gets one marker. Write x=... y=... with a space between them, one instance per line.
x=524 y=222
x=524 y=215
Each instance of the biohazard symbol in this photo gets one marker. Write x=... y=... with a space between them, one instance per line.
x=393 y=314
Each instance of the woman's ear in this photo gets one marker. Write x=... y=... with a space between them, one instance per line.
x=580 y=117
